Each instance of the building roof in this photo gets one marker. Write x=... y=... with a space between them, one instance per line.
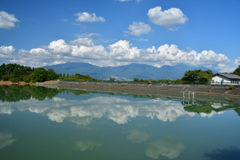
x=229 y=76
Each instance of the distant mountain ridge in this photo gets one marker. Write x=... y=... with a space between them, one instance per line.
x=126 y=72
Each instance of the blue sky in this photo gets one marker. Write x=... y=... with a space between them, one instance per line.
x=120 y=32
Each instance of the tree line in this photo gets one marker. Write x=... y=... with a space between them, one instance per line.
x=196 y=76
x=17 y=73
x=15 y=93
x=191 y=76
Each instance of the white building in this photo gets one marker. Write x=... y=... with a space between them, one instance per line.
x=225 y=79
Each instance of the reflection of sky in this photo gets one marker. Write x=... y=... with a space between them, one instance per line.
x=6 y=139
x=87 y=145
x=136 y=136
x=115 y=108
x=166 y=147
x=5 y=108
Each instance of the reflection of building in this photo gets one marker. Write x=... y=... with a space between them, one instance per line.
x=208 y=107
x=222 y=107
x=226 y=79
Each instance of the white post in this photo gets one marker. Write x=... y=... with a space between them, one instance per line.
x=193 y=97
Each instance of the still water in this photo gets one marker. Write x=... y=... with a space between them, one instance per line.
x=39 y=124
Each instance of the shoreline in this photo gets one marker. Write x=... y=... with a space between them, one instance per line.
x=215 y=90
x=144 y=87
x=8 y=83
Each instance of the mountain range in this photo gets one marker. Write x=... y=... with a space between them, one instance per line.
x=126 y=72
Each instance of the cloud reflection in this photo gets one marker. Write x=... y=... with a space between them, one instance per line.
x=87 y=145
x=6 y=139
x=117 y=109
x=167 y=148
x=136 y=136
x=6 y=110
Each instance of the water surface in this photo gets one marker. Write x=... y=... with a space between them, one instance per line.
x=41 y=123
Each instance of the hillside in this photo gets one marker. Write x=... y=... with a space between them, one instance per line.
x=127 y=72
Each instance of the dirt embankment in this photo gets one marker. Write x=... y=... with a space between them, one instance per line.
x=144 y=87
x=11 y=83
x=22 y=83
x=138 y=87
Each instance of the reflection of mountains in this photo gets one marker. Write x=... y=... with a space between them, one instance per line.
x=83 y=109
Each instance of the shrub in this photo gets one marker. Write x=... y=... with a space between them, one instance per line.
x=5 y=78
x=231 y=87
x=39 y=75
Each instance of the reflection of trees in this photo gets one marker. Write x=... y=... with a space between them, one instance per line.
x=199 y=107
x=40 y=93
x=237 y=110
x=76 y=92
x=208 y=107
x=232 y=153
x=16 y=93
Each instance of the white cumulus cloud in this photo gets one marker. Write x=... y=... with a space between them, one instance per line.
x=237 y=61
x=6 y=51
x=7 y=21
x=83 y=41
x=86 y=17
x=167 y=18
x=59 y=46
x=171 y=55
x=139 y=28
x=121 y=52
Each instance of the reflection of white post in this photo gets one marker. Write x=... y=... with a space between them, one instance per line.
x=189 y=96
x=193 y=97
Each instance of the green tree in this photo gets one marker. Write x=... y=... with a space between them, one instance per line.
x=52 y=74
x=205 y=76
x=15 y=76
x=27 y=78
x=14 y=72
x=39 y=75
x=2 y=70
x=10 y=68
x=237 y=71
x=111 y=79
x=135 y=79
x=198 y=76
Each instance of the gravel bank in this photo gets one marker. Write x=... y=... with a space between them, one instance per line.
x=144 y=87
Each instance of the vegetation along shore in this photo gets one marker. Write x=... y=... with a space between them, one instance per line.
x=196 y=81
